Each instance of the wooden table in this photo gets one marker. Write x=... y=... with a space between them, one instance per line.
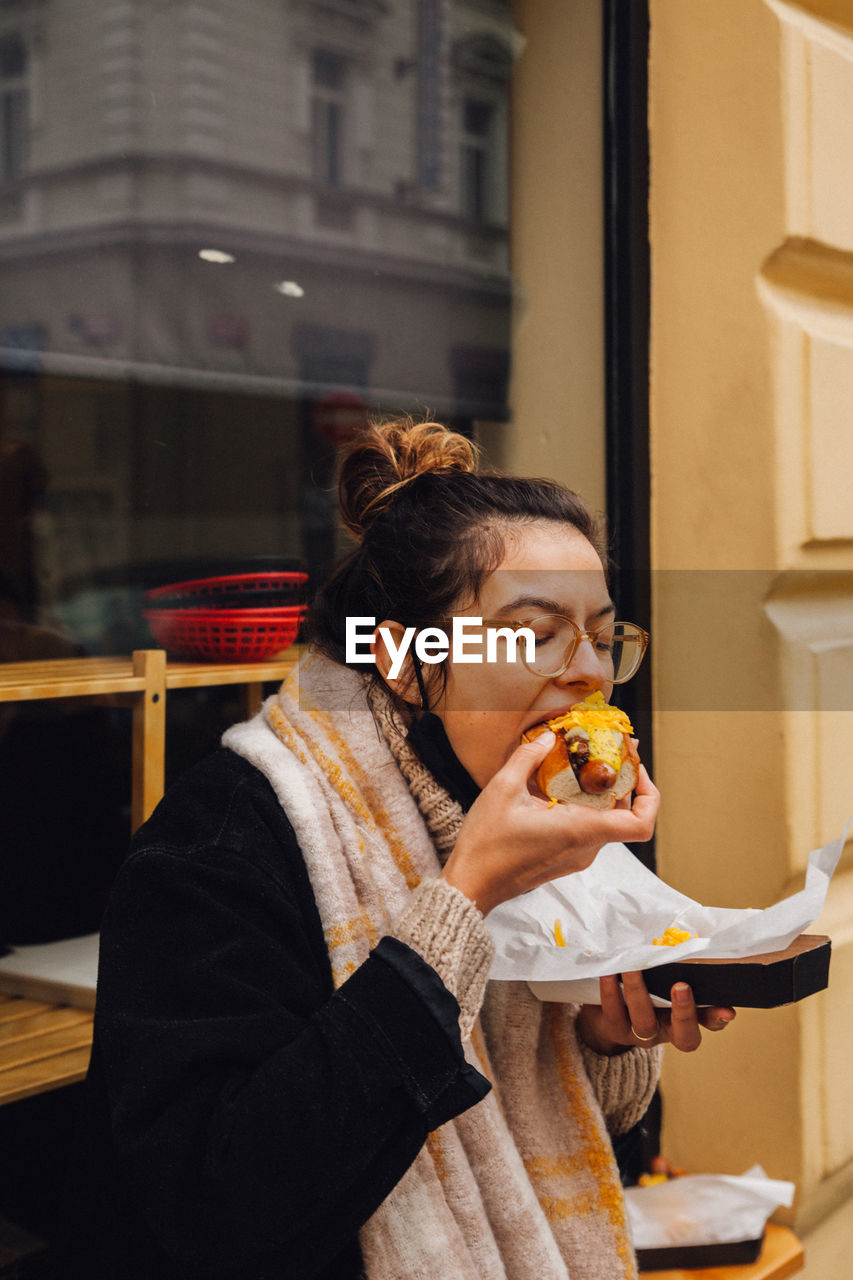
x=781 y=1256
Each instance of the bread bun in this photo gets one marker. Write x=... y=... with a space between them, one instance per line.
x=594 y=760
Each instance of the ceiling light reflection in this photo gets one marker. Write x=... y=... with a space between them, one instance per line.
x=215 y=255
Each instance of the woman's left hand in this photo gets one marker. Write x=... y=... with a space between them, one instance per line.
x=627 y=1019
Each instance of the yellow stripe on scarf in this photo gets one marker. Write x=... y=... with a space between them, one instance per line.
x=598 y=1160
x=581 y=1205
x=331 y=769
x=434 y=1147
x=376 y=810
x=351 y=931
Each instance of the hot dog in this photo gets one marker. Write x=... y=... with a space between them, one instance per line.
x=594 y=760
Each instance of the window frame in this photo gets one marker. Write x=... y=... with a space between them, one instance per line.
x=627 y=290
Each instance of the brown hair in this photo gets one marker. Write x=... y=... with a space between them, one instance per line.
x=430 y=525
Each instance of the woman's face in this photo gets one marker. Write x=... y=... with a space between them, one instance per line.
x=485 y=707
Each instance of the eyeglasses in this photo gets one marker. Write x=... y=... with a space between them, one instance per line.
x=619 y=646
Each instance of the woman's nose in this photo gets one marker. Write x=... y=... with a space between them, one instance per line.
x=585 y=668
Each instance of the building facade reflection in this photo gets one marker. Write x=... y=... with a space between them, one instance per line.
x=226 y=232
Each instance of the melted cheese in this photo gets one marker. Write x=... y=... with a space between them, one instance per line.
x=672 y=936
x=593 y=713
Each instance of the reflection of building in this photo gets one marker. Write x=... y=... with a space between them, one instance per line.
x=342 y=162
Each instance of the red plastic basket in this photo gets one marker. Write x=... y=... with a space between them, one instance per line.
x=225 y=635
x=276 y=589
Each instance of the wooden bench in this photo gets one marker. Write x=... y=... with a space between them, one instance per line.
x=42 y=1046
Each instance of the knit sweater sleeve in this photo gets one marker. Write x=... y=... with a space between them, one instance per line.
x=446 y=929
x=623 y=1083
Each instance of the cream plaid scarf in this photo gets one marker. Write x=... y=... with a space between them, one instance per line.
x=523 y=1186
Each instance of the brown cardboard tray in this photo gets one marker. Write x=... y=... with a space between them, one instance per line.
x=689 y=1256
x=754 y=982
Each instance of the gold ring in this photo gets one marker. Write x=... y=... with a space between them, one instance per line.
x=645 y=1039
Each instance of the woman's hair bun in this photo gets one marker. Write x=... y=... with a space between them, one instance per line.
x=389 y=455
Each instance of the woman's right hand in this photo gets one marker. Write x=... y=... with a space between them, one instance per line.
x=513 y=840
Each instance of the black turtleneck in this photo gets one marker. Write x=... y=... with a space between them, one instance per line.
x=429 y=739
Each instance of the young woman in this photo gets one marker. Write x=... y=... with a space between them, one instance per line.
x=299 y=1069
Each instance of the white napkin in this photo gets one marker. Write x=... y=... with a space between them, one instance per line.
x=704 y=1208
x=610 y=913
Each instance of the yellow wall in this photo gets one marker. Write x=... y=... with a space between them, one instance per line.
x=751 y=399
x=557 y=389
x=751 y=207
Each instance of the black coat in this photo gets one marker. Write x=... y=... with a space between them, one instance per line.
x=243 y=1120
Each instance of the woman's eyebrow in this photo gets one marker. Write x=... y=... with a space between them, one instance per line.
x=546 y=606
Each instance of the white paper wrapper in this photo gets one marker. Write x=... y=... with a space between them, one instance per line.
x=610 y=913
x=704 y=1209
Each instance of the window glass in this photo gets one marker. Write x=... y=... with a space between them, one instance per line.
x=14 y=122
x=13 y=56
x=227 y=234
x=476 y=166
x=328 y=116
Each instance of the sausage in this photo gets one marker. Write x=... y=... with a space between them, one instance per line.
x=596 y=777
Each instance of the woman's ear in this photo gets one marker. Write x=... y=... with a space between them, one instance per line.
x=394 y=662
